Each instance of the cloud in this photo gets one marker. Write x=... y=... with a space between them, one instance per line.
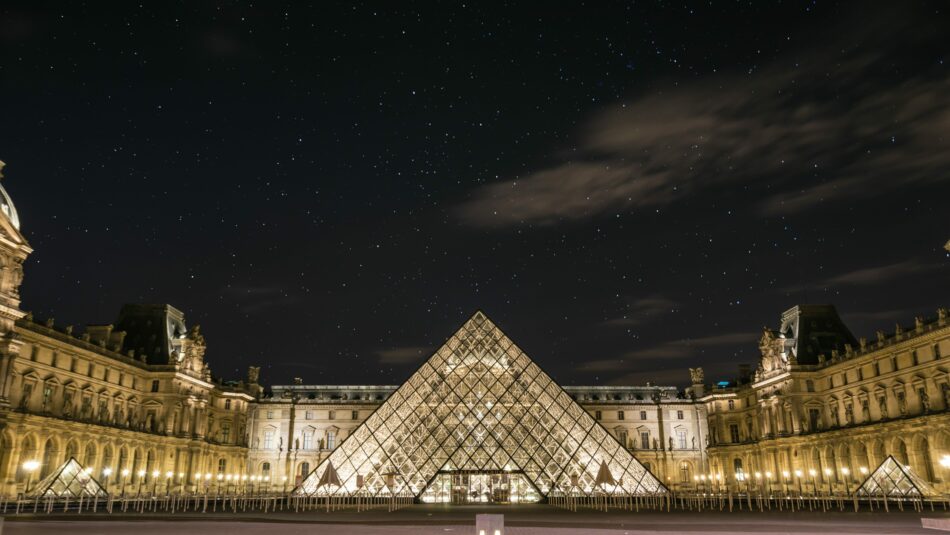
x=644 y=309
x=251 y=299
x=879 y=274
x=403 y=355
x=689 y=347
x=673 y=350
x=800 y=133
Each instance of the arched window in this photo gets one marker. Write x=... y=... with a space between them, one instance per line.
x=265 y=469
x=685 y=472
x=304 y=469
x=222 y=465
x=737 y=466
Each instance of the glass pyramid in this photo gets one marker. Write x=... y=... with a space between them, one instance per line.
x=480 y=406
x=70 y=481
x=892 y=480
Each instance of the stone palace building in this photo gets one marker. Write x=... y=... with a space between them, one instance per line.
x=135 y=402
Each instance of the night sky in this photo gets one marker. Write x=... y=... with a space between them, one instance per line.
x=628 y=189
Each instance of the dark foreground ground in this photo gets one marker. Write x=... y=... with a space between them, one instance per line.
x=521 y=520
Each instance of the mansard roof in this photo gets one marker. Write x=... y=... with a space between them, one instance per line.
x=815 y=330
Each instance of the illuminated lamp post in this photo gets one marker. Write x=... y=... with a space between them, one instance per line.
x=828 y=474
x=847 y=479
x=125 y=474
x=155 y=474
x=106 y=472
x=141 y=474
x=168 y=481
x=798 y=475
x=30 y=467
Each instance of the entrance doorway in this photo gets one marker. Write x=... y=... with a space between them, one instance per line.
x=480 y=487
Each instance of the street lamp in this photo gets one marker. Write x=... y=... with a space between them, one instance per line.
x=125 y=474
x=945 y=461
x=30 y=467
x=828 y=473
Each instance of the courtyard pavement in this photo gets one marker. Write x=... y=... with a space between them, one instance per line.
x=426 y=520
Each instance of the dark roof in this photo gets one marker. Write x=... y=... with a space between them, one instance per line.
x=152 y=330
x=816 y=330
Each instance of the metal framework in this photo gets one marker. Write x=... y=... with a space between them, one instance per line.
x=479 y=404
x=893 y=481
x=71 y=480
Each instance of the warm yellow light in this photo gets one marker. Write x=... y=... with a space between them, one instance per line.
x=30 y=466
x=845 y=470
x=786 y=475
x=812 y=473
x=208 y=476
x=758 y=475
x=798 y=473
x=155 y=473
x=220 y=477
x=267 y=478
x=228 y=477
x=945 y=461
x=169 y=474
x=125 y=472
x=181 y=475
x=768 y=475
x=107 y=471
x=827 y=471
x=141 y=473
x=864 y=470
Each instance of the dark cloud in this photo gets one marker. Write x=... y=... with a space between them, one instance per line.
x=673 y=350
x=403 y=355
x=801 y=133
x=880 y=274
x=645 y=309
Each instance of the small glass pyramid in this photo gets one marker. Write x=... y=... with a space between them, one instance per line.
x=70 y=481
x=480 y=409
x=892 y=480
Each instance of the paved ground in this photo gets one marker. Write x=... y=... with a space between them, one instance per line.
x=523 y=520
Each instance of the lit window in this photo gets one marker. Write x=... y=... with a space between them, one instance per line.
x=681 y=438
x=308 y=440
x=222 y=466
x=645 y=440
x=270 y=415
x=308 y=415
x=225 y=433
x=268 y=439
x=732 y=404
x=734 y=433
x=227 y=404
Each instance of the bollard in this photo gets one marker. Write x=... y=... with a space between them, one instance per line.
x=489 y=524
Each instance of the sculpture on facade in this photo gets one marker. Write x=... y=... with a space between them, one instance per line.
x=924 y=400
x=882 y=403
x=849 y=414
x=253 y=375
x=697 y=376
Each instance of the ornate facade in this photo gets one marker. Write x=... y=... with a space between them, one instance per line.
x=129 y=400
x=295 y=428
x=824 y=407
